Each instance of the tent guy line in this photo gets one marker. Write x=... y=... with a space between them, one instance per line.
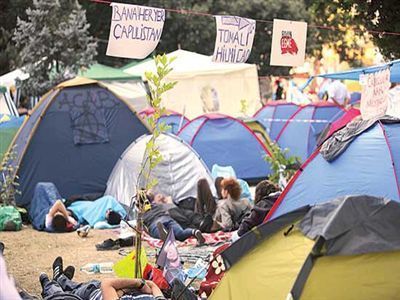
x=197 y=13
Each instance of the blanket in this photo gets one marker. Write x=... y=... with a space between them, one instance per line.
x=44 y=196
x=92 y=212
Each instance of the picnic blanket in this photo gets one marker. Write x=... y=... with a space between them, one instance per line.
x=211 y=239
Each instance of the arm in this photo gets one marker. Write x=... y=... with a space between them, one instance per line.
x=155 y=290
x=110 y=286
x=58 y=206
x=226 y=219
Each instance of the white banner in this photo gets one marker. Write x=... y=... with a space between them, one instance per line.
x=135 y=30
x=288 y=43
x=235 y=36
x=374 y=94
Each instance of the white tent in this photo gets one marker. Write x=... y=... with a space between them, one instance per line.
x=7 y=106
x=177 y=174
x=205 y=86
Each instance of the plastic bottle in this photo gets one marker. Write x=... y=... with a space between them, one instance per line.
x=103 y=268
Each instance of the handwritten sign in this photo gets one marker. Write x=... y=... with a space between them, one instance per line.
x=374 y=94
x=135 y=30
x=235 y=36
x=288 y=43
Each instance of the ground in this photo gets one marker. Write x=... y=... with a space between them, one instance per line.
x=29 y=252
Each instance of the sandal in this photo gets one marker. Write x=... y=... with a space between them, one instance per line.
x=108 y=245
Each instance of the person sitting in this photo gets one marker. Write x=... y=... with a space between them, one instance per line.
x=158 y=221
x=106 y=289
x=231 y=209
x=265 y=196
x=59 y=219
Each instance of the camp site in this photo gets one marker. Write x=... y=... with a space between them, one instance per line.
x=193 y=150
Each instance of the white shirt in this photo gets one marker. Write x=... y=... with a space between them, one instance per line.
x=338 y=91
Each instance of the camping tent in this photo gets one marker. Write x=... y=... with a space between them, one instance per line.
x=205 y=86
x=127 y=86
x=347 y=248
x=8 y=129
x=301 y=131
x=73 y=138
x=370 y=165
x=226 y=141
x=177 y=174
x=274 y=115
x=7 y=105
x=174 y=120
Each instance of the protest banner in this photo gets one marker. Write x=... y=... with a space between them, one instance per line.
x=235 y=36
x=288 y=43
x=135 y=30
x=374 y=94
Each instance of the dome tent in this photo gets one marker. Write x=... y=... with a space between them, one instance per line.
x=346 y=248
x=226 y=141
x=73 y=138
x=174 y=120
x=274 y=115
x=370 y=165
x=301 y=131
x=177 y=174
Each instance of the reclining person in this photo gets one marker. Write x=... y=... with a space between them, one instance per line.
x=265 y=196
x=107 y=289
x=59 y=219
x=158 y=221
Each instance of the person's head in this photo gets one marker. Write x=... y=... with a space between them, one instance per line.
x=205 y=201
x=263 y=189
x=217 y=184
x=230 y=187
x=112 y=217
x=59 y=223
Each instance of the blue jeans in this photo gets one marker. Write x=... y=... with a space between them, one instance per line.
x=64 y=285
x=170 y=224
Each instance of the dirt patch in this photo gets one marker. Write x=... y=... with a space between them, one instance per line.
x=30 y=252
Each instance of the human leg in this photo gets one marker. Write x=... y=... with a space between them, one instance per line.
x=49 y=287
x=180 y=233
x=82 y=290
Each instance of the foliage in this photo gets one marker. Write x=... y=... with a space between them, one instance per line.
x=354 y=17
x=281 y=164
x=9 y=184
x=53 y=43
x=158 y=87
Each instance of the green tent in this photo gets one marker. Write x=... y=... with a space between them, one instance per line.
x=106 y=73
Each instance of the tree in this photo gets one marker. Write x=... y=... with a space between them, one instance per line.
x=53 y=43
x=353 y=18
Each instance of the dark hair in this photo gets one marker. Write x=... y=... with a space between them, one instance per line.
x=263 y=189
x=217 y=184
x=59 y=223
x=113 y=218
x=233 y=188
x=205 y=203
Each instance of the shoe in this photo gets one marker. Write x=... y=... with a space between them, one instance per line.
x=57 y=267
x=69 y=272
x=199 y=236
x=108 y=245
x=43 y=279
x=162 y=232
x=126 y=242
x=83 y=231
x=1 y=248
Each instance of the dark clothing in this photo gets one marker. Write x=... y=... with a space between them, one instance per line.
x=170 y=224
x=258 y=213
x=185 y=217
x=157 y=211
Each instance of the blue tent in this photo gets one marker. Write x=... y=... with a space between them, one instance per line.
x=274 y=115
x=226 y=141
x=301 y=131
x=174 y=120
x=73 y=139
x=370 y=165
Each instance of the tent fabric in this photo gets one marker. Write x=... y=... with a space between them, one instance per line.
x=7 y=105
x=226 y=141
x=103 y=72
x=277 y=260
x=301 y=132
x=177 y=174
x=274 y=115
x=204 y=86
x=174 y=120
x=369 y=166
x=74 y=169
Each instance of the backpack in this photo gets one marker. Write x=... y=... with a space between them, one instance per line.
x=10 y=219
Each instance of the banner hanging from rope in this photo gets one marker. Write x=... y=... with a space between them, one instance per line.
x=235 y=36
x=288 y=43
x=135 y=30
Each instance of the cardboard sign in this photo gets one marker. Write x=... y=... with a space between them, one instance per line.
x=288 y=43
x=374 y=94
x=235 y=36
x=135 y=30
